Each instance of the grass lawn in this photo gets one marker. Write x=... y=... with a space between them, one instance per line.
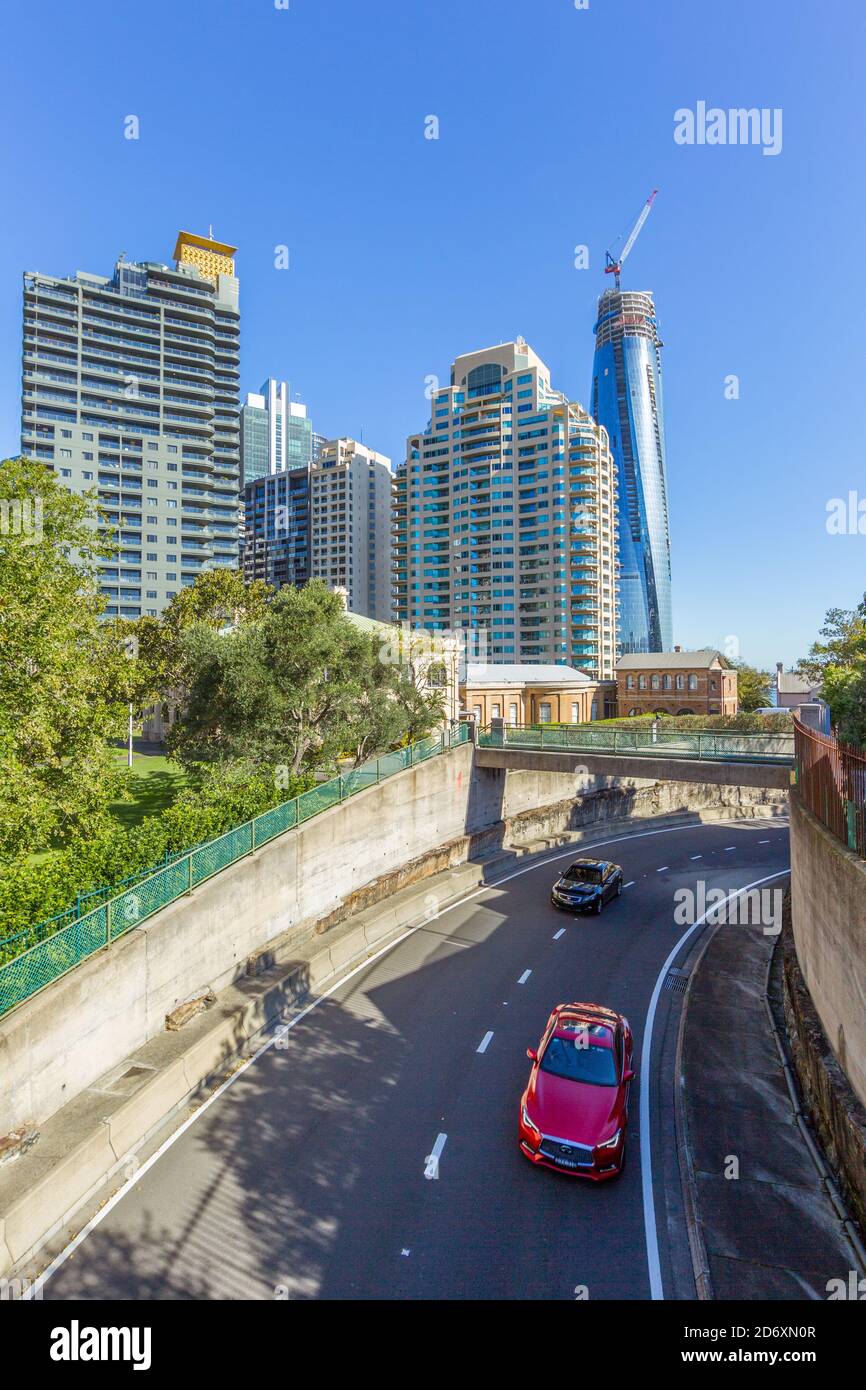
x=154 y=782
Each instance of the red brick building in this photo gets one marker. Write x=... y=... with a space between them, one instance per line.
x=677 y=682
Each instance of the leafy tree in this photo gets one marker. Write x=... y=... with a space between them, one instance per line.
x=753 y=686
x=62 y=672
x=838 y=665
x=218 y=600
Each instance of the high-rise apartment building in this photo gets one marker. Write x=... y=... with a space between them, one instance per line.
x=275 y=432
x=505 y=518
x=350 y=525
x=627 y=401
x=276 y=545
x=130 y=388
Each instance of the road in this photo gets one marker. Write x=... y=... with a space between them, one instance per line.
x=305 y=1177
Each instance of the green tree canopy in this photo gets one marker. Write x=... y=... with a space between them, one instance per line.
x=63 y=673
x=838 y=664
x=753 y=686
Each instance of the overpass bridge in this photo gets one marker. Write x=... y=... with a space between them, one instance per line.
x=720 y=757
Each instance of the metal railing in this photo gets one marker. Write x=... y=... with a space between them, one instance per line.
x=64 y=947
x=831 y=782
x=721 y=745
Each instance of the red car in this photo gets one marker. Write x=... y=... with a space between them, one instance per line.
x=574 y=1111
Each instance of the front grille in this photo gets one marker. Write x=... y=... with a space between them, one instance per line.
x=566 y=1154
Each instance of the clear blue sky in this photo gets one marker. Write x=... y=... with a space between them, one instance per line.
x=306 y=127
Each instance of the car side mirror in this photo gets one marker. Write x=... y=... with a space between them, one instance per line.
x=628 y=1075
x=532 y=1054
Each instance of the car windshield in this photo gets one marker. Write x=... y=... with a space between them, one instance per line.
x=583 y=873
x=575 y=1060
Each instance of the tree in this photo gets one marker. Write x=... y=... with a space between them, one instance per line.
x=753 y=686
x=838 y=665
x=218 y=599
x=62 y=672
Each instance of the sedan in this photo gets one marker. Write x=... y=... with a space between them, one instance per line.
x=587 y=885
x=574 y=1111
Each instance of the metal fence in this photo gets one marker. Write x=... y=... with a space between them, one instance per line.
x=68 y=944
x=725 y=745
x=831 y=782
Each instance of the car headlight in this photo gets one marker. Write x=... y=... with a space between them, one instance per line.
x=611 y=1143
x=530 y=1124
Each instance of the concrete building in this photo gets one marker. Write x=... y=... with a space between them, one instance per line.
x=793 y=690
x=535 y=694
x=505 y=517
x=130 y=387
x=275 y=432
x=677 y=682
x=350 y=525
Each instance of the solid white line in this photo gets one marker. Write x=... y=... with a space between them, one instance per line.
x=728 y=848
x=763 y=842
x=484 y=1043
x=630 y=883
x=524 y=977
x=558 y=934
x=33 y=1289
x=646 y=1171
x=663 y=868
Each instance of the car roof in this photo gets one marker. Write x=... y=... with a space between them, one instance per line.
x=599 y=1023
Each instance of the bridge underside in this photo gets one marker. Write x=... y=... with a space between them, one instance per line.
x=660 y=769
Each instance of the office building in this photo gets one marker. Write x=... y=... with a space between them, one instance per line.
x=626 y=399
x=505 y=518
x=350 y=525
x=275 y=432
x=276 y=546
x=130 y=388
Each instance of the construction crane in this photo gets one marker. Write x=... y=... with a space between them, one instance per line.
x=614 y=266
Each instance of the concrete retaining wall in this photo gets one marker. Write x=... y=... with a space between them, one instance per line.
x=828 y=916
x=440 y=813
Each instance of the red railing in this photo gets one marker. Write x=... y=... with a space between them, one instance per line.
x=831 y=781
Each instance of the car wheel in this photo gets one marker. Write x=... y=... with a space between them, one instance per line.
x=599 y=903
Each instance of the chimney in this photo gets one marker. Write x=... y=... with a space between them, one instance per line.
x=779 y=668
x=677 y=649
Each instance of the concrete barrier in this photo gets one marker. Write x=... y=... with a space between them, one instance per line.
x=828 y=918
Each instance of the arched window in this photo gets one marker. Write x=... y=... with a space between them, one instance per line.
x=693 y=682
x=641 y=682
x=629 y=682
x=633 y=712
x=656 y=683
x=681 y=682
x=667 y=682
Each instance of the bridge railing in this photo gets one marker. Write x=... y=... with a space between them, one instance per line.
x=725 y=745
x=831 y=782
x=26 y=968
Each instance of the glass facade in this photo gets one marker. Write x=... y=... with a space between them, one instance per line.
x=627 y=401
x=277 y=528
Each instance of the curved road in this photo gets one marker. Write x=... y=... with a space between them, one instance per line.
x=305 y=1176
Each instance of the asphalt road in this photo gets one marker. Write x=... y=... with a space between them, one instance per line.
x=305 y=1178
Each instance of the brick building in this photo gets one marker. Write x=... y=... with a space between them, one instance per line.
x=677 y=682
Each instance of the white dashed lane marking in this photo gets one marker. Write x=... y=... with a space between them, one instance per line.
x=524 y=977
x=484 y=1043
x=558 y=934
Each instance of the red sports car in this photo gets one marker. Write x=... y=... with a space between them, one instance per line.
x=574 y=1111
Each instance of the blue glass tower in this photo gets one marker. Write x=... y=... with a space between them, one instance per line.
x=627 y=400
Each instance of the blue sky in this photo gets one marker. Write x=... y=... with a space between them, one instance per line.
x=305 y=127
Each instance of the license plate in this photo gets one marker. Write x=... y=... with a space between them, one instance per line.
x=567 y=1163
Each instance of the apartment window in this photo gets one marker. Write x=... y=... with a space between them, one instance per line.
x=87 y=477
x=66 y=472
x=65 y=454
x=87 y=437
x=66 y=434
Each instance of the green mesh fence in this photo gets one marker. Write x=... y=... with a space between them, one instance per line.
x=59 y=945
x=721 y=745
